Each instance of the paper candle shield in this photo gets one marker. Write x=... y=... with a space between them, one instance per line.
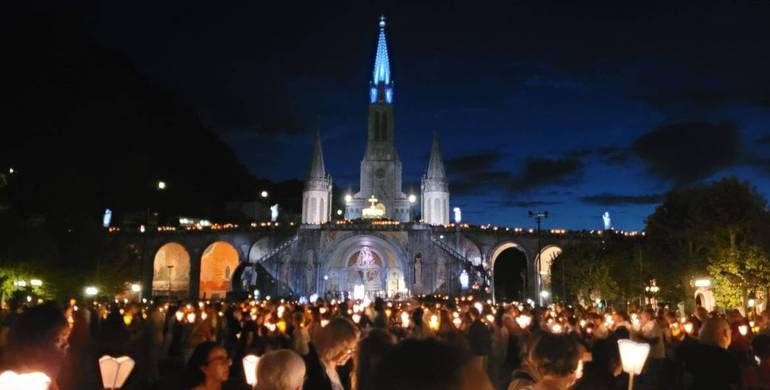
x=115 y=371
x=633 y=355
x=30 y=381
x=250 y=369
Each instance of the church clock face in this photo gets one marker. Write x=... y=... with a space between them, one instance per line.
x=379 y=173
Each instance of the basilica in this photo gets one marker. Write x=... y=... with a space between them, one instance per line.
x=379 y=249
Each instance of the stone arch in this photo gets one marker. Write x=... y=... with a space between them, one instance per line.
x=218 y=264
x=171 y=271
x=510 y=280
x=547 y=255
x=259 y=249
x=471 y=251
x=338 y=276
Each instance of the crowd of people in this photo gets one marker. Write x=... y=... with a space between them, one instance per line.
x=433 y=342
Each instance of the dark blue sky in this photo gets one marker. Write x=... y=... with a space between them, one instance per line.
x=573 y=108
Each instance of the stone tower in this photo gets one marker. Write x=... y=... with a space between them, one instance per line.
x=381 y=167
x=435 y=189
x=317 y=195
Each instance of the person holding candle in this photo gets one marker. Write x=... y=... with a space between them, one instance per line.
x=208 y=367
x=371 y=350
x=332 y=346
x=757 y=376
x=38 y=341
x=555 y=359
x=280 y=369
x=429 y=365
x=707 y=362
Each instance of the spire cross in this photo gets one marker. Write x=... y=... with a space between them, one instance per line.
x=372 y=200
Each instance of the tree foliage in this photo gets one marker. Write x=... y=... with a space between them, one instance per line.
x=737 y=273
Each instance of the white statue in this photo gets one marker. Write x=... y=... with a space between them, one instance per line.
x=274 y=212
x=365 y=258
x=607 y=220
x=417 y=271
x=458 y=215
x=309 y=272
x=440 y=272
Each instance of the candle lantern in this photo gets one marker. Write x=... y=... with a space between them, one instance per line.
x=28 y=381
x=250 y=369
x=115 y=371
x=632 y=357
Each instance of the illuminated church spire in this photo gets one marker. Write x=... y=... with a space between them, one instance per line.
x=381 y=86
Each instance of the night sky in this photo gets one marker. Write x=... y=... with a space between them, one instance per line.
x=572 y=108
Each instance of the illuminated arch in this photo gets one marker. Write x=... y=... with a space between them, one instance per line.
x=218 y=263
x=546 y=258
x=171 y=271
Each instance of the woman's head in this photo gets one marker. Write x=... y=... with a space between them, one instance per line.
x=39 y=339
x=336 y=342
x=209 y=361
x=555 y=355
x=428 y=365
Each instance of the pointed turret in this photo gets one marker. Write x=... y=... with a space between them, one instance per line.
x=435 y=188
x=436 y=163
x=317 y=168
x=317 y=196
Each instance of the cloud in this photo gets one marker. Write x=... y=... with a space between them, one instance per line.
x=539 y=172
x=607 y=199
x=477 y=174
x=473 y=163
x=687 y=152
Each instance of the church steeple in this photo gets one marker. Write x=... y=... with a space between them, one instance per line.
x=381 y=86
x=317 y=169
x=435 y=189
x=317 y=196
x=436 y=163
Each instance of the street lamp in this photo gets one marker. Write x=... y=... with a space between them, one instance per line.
x=36 y=282
x=161 y=185
x=412 y=199
x=91 y=291
x=538 y=216
x=264 y=194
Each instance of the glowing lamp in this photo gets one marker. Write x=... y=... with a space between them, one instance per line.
x=523 y=321
x=356 y=317
x=191 y=317
x=179 y=316
x=280 y=311
x=688 y=327
x=743 y=330
x=457 y=322
x=115 y=371
x=36 y=282
x=31 y=381
x=479 y=306
x=404 y=320
x=490 y=318
x=250 y=369
x=412 y=198
x=557 y=328
x=136 y=288
x=324 y=323
x=632 y=357
x=433 y=324
x=704 y=283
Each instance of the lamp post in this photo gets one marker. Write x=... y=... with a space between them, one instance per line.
x=538 y=216
x=169 y=279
